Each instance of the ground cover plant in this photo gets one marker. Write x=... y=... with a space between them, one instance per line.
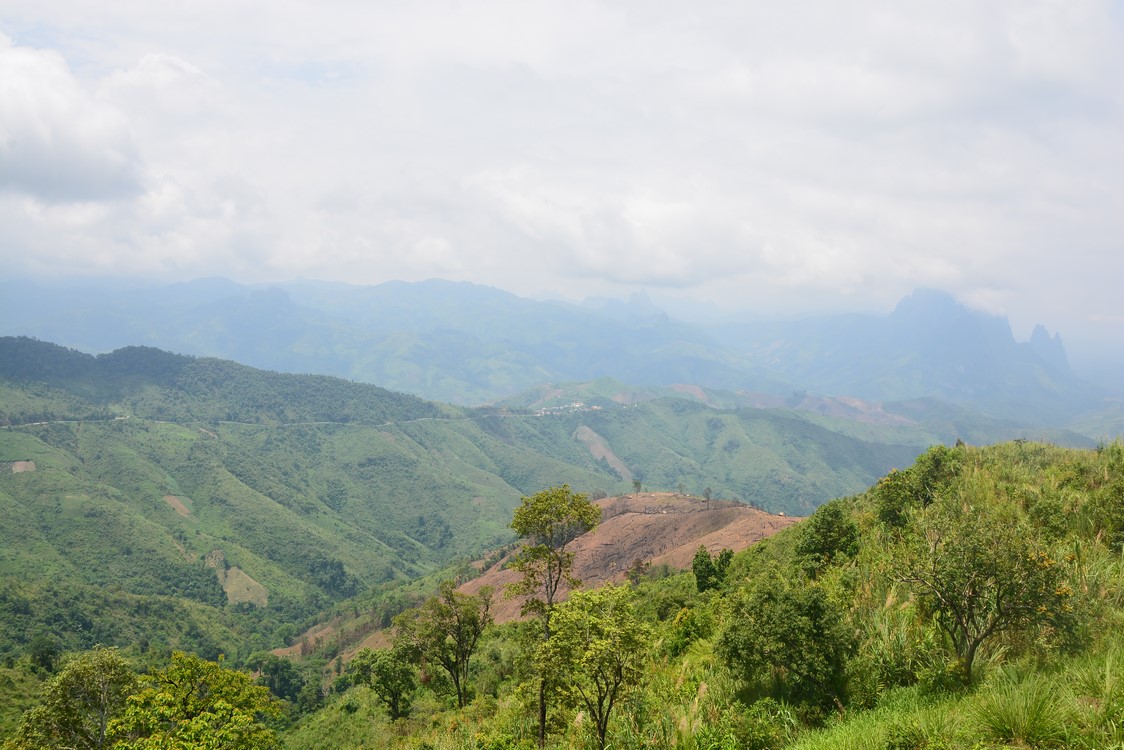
x=827 y=635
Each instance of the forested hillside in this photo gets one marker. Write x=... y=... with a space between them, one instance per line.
x=968 y=600
x=972 y=600
x=222 y=506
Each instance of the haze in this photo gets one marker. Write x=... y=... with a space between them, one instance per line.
x=776 y=158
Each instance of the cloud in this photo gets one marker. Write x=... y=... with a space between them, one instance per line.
x=58 y=142
x=808 y=155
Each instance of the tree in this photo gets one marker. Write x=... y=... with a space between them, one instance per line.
x=79 y=704
x=710 y=572
x=389 y=673
x=788 y=639
x=548 y=521
x=599 y=648
x=636 y=485
x=197 y=704
x=278 y=674
x=44 y=651
x=825 y=537
x=446 y=630
x=982 y=572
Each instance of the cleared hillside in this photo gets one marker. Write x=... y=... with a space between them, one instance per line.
x=646 y=530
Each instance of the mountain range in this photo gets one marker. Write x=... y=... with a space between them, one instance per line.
x=470 y=345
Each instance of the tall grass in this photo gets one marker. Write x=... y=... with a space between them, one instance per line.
x=1031 y=712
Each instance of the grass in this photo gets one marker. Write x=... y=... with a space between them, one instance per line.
x=1032 y=712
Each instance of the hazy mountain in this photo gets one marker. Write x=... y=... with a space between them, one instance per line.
x=930 y=346
x=470 y=344
x=455 y=342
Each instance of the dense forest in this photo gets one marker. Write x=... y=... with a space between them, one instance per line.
x=971 y=600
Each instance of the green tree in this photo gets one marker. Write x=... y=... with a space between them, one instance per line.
x=919 y=485
x=548 y=521
x=44 y=651
x=198 y=705
x=278 y=674
x=982 y=572
x=788 y=639
x=599 y=648
x=78 y=704
x=446 y=630
x=827 y=536
x=389 y=673
x=710 y=572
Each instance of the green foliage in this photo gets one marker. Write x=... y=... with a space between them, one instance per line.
x=690 y=625
x=389 y=673
x=828 y=535
x=280 y=675
x=79 y=705
x=194 y=703
x=788 y=640
x=710 y=572
x=44 y=651
x=549 y=521
x=983 y=573
x=597 y=651
x=918 y=486
x=446 y=630
x=1028 y=713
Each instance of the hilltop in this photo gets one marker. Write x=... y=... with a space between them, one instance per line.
x=645 y=530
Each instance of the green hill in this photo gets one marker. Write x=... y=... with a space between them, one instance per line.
x=972 y=600
x=155 y=501
x=247 y=501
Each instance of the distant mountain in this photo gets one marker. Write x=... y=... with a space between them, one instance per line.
x=468 y=344
x=455 y=342
x=929 y=347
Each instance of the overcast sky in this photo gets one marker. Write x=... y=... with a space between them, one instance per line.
x=778 y=157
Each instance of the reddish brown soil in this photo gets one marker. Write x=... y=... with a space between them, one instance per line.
x=651 y=528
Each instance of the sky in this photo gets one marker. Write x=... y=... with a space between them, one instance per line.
x=774 y=157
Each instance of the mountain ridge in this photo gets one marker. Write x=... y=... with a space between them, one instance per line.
x=467 y=344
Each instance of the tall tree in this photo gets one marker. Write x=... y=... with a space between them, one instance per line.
x=79 y=704
x=446 y=630
x=710 y=572
x=194 y=703
x=548 y=521
x=389 y=673
x=598 y=648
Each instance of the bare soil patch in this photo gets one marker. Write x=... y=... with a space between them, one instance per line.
x=600 y=449
x=237 y=583
x=650 y=528
x=691 y=390
x=312 y=638
x=19 y=467
x=178 y=505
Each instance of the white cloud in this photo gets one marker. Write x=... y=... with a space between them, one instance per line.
x=809 y=154
x=58 y=142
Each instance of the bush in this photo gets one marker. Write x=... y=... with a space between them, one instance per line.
x=1027 y=713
